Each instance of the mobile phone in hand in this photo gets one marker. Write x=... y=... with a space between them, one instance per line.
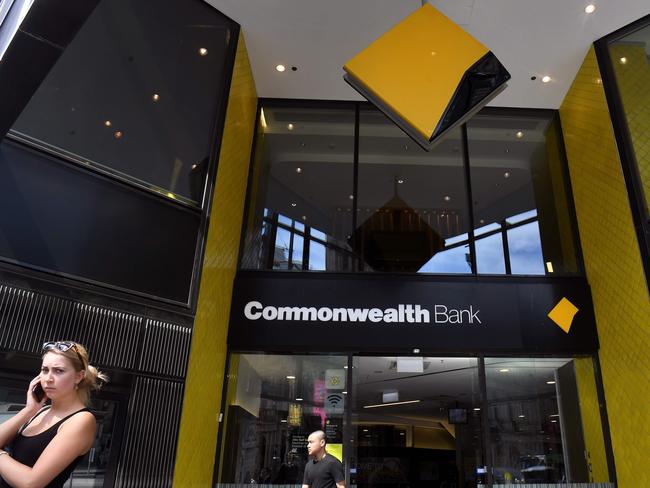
x=38 y=392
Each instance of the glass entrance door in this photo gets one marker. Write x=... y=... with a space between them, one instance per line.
x=416 y=422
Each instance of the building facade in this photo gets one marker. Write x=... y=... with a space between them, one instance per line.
x=250 y=270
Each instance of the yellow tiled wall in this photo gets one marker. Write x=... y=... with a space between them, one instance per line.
x=614 y=270
x=198 y=432
x=633 y=80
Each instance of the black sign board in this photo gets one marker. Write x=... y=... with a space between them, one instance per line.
x=304 y=312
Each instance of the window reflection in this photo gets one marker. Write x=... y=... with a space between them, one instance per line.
x=490 y=258
x=132 y=95
x=525 y=250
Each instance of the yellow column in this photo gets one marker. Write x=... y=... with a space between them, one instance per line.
x=614 y=270
x=199 y=422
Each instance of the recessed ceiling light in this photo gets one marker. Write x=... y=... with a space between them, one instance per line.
x=304 y=217
x=550 y=382
x=481 y=221
x=506 y=174
x=623 y=60
x=519 y=134
x=299 y=399
x=118 y=134
x=477 y=409
x=554 y=421
x=344 y=392
x=590 y=9
x=522 y=416
x=280 y=68
x=504 y=370
x=400 y=181
x=203 y=51
x=298 y=170
x=351 y=197
x=293 y=204
x=447 y=198
x=290 y=126
x=546 y=79
x=194 y=166
x=291 y=377
x=284 y=421
x=108 y=123
x=155 y=97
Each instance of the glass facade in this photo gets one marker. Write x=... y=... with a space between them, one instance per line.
x=407 y=421
x=136 y=94
x=338 y=187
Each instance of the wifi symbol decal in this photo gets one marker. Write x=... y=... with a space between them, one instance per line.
x=334 y=402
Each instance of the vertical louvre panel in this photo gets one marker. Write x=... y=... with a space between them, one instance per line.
x=27 y=319
x=154 y=414
x=165 y=348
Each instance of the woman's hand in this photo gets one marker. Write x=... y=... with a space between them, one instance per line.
x=32 y=403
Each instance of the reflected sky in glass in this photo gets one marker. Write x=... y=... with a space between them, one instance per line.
x=450 y=261
x=489 y=255
x=525 y=248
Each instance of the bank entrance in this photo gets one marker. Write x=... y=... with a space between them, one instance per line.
x=407 y=421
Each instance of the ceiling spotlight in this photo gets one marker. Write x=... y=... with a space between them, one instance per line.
x=351 y=197
x=155 y=97
x=522 y=416
x=400 y=181
x=298 y=170
x=280 y=68
x=194 y=166
x=108 y=123
x=519 y=134
x=506 y=175
x=203 y=51
x=291 y=377
x=550 y=382
x=118 y=134
x=504 y=370
x=590 y=9
x=299 y=399
x=293 y=204
x=447 y=198
x=290 y=126
x=416 y=351
x=304 y=217
x=477 y=409
x=481 y=221
x=546 y=79
x=623 y=60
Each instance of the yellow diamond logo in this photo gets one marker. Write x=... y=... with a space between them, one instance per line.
x=563 y=313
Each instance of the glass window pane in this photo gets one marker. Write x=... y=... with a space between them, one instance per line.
x=134 y=94
x=517 y=169
x=296 y=253
x=534 y=417
x=281 y=250
x=303 y=169
x=454 y=260
x=416 y=428
x=275 y=402
x=316 y=256
x=410 y=201
x=631 y=66
x=524 y=245
x=489 y=255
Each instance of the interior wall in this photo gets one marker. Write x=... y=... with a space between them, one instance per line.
x=614 y=270
x=202 y=399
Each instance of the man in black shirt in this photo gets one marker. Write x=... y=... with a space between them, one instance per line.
x=324 y=470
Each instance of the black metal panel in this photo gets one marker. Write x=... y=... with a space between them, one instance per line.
x=71 y=222
x=149 y=451
x=166 y=348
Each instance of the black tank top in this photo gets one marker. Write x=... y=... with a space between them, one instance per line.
x=26 y=449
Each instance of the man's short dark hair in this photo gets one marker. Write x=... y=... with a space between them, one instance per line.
x=321 y=434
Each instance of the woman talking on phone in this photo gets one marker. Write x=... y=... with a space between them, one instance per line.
x=47 y=442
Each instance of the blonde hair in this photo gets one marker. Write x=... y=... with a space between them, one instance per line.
x=78 y=357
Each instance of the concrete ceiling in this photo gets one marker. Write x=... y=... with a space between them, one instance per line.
x=531 y=38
